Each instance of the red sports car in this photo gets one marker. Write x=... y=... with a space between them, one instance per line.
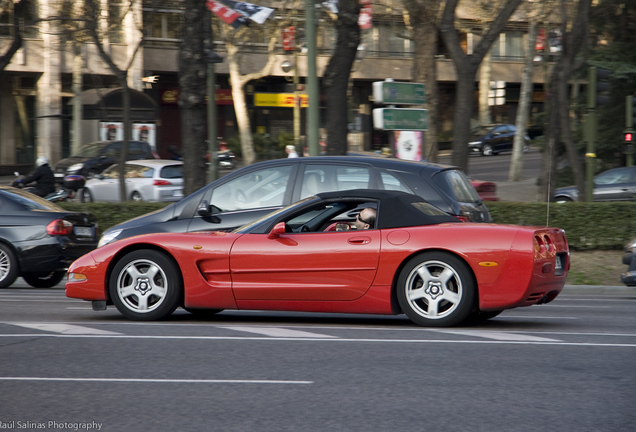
x=325 y=254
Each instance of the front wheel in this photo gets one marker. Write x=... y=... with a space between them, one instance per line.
x=44 y=280
x=436 y=289
x=146 y=285
x=562 y=200
x=8 y=266
x=486 y=150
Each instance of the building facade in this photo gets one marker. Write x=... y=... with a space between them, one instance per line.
x=39 y=89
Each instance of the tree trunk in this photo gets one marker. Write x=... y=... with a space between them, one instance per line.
x=192 y=82
x=336 y=76
x=240 y=106
x=523 y=110
x=423 y=20
x=466 y=66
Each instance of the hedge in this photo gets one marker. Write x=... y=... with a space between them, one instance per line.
x=588 y=226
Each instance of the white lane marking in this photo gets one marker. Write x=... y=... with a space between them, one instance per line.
x=270 y=339
x=497 y=335
x=277 y=332
x=66 y=329
x=140 y=380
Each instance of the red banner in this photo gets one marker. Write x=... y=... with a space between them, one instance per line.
x=229 y=16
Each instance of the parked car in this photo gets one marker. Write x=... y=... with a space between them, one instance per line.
x=493 y=139
x=414 y=259
x=93 y=158
x=157 y=180
x=39 y=240
x=253 y=191
x=629 y=259
x=487 y=190
x=616 y=184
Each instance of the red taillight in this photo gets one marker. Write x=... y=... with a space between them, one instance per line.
x=161 y=183
x=59 y=227
x=463 y=218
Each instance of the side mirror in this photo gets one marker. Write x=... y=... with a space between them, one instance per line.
x=276 y=232
x=203 y=209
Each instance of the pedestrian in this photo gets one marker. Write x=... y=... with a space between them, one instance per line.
x=291 y=151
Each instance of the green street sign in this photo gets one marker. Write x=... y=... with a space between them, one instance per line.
x=389 y=92
x=400 y=119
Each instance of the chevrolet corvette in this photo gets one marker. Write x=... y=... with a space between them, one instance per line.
x=321 y=255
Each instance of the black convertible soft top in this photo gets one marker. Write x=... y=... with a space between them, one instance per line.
x=395 y=209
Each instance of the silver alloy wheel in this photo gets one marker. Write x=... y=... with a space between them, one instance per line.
x=8 y=266
x=486 y=150
x=136 y=196
x=5 y=264
x=142 y=286
x=433 y=289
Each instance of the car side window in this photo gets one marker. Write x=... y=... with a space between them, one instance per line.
x=110 y=151
x=615 y=176
x=330 y=178
x=257 y=189
x=390 y=182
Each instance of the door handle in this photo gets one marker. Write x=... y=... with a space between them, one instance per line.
x=359 y=240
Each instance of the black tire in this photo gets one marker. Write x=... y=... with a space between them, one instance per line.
x=136 y=196
x=562 y=199
x=9 y=270
x=146 y=285
x=86 y=195
x=44 y=280
x=433 y=301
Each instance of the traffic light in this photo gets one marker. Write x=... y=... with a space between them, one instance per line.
x=598 y=86
x=629 y=138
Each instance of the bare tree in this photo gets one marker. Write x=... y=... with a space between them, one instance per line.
x=422 y=20
x=574 y=32
x=192 y=83
x=336 y=76
x=466 y=65
x=236 y=41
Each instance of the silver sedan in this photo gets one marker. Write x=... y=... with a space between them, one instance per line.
x=157 y=180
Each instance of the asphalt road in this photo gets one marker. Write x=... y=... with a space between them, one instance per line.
x=564 y=366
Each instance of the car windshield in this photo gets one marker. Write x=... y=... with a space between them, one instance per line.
x=481 y=130
x=456 y=185
x=89 y=150
x=33 y=202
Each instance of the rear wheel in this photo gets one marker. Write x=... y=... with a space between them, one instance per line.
x=562 y=199
x=146 y=285
x=8 y=266
x=436 y=289
x=44 y=280
x=136 y=196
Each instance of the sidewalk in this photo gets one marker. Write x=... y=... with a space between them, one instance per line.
x=521 y=191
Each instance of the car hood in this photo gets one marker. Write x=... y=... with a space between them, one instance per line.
x=161 y=215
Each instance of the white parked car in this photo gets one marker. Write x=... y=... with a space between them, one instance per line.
x=146 y=180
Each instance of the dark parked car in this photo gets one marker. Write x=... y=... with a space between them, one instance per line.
x=39 y=240
x=490 y=140
x=95 y=157
x=253 y=191
x=616 y=184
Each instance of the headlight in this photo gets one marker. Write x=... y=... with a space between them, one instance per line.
x=75 y=167
x=474 y=143
x=108 y=237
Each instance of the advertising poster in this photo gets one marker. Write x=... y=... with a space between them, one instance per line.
x=111 y=131
x=408 y=145
x=145 y=132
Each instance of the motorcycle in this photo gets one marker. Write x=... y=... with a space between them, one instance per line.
x=66 y=192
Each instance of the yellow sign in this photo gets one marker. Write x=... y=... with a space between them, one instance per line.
x=280 y=100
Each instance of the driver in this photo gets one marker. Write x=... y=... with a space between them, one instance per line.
x=365 y=219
